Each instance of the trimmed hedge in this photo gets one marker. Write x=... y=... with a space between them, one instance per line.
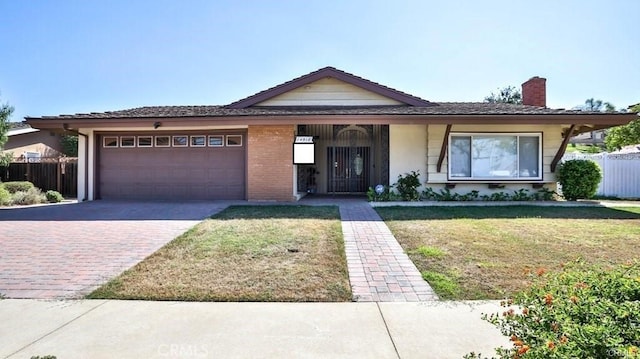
x=579 y=179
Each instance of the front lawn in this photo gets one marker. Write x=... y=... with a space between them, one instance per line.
x=486 y=252
x=245 y=253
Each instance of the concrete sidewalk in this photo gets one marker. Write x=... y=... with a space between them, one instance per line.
x=141 y=329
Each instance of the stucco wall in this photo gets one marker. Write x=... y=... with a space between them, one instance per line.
x=407 y=151
x=44 y=142
x=270 y=163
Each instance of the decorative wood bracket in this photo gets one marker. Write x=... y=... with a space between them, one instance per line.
x=563 y=147
x=443 y=150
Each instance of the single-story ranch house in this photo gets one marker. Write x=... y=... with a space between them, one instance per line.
x=327 y=132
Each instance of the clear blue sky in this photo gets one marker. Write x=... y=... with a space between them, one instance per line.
x=60 y=57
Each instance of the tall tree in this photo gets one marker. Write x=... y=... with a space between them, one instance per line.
x=507 y=94
x=625 y=135
x=5 y=113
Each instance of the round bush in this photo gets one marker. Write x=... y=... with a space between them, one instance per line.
x=579 y=179
x=54 y=196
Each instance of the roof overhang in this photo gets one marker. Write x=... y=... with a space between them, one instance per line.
x=584 y=123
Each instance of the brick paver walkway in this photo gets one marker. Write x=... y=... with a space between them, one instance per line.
x=66 y=251
x=379 y=269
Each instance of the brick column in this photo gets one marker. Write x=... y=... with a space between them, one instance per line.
x=270 y=163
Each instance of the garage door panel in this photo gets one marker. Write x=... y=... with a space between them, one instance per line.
x=172 y=173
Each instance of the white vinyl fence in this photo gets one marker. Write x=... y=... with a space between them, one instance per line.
x=620 y=173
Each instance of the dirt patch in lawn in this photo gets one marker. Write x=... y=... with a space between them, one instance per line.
x=486 y=252
x=246 y=253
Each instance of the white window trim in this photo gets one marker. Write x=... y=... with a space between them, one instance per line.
x=144 y=146
x=494 y=179
x=155 y=141
x=238 y=145
x=204 y=141
x=104 y=141
x=186 y=143
x=221 y=137
x=128 y=137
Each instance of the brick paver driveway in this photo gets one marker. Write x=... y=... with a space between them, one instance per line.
x=66 y=251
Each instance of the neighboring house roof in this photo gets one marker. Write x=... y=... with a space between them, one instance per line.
x=21 y=131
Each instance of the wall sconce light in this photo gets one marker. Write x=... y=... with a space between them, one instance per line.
x=156 y=125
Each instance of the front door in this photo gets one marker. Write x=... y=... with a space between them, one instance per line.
x=349 y=161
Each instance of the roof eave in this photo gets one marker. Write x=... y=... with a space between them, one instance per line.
x=599 y=121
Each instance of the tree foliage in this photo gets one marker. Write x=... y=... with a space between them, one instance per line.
x=509 y=94
x=593 y=105
x=70 y=145
x=621 y=136
x=5 y=113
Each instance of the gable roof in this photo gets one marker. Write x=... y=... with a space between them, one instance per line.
x=334 y=73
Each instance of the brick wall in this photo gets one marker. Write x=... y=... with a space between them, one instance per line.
x=270 y=163
x=534 y=92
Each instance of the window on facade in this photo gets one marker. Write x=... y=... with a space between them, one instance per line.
x=180 y=141
x=234 y=140
x=198 y=141
x=110 y=141
x=162 y=141
x=145 y=141
x=216 y=141
x=127 y=141
x=480 y=156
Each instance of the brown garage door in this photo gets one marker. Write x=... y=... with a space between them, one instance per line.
x=174 y=166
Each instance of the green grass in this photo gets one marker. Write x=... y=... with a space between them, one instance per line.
x=445 y=285
x=585 y=148
x=486 y=252
x=245 y=253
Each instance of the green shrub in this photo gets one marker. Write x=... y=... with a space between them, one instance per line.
x=18 y=186
x=54 y=196
x=407 y=186
x=579 y=179
x=31 y=196
x=5 y=196
x=582 y=312
x=385 y=196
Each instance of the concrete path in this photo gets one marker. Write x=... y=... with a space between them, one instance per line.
x=66 y=251
x=138 y=329
x=379 y=269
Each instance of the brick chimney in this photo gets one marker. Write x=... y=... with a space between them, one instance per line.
x=534 y=92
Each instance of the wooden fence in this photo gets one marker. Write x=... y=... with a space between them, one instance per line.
x=620 y=173
x=58 y=174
